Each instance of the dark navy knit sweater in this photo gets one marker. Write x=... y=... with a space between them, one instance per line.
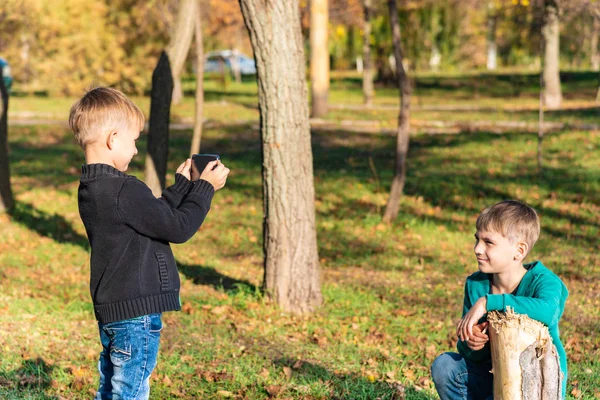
x=133 y=271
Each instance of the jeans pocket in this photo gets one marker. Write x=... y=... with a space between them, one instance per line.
x=120 y=345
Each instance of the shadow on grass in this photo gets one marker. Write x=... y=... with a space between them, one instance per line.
x=28 y=381
x=202 y=275
x=349 y=386
x=53 y=226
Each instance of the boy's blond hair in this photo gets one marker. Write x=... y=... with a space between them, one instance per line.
x=515 y=220
x=101 y=110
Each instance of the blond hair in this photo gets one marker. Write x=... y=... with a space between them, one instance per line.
x=101 y=110
x=515 y=220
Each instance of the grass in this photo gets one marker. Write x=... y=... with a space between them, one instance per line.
x=392 y=292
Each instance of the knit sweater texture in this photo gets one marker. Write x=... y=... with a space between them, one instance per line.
x=133 y=270
x=541 y=295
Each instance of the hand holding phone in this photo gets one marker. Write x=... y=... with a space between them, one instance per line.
x=209 y=168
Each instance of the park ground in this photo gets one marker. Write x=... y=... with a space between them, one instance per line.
x=392 y=293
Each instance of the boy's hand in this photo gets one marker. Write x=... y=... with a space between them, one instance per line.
x=479 y=338
x=185 y=168
x=217 y=176
x=464 y=330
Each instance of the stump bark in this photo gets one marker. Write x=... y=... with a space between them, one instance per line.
x=525 y=363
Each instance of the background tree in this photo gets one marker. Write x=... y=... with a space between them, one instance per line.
x=6 y=196
x=403 y=131
x=199 y=101
x=158 y=130
x=551 y=38
x=367 y=84
x=492 y=48
x=292 y=272
x=181 y=40
x=319 y=56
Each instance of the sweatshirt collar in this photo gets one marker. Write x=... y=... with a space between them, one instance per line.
x=93 y=171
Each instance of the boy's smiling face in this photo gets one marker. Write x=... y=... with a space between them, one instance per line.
x=496 y=253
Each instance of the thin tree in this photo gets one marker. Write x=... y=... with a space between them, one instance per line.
x=181 y=40
x=403 y=131
x=6 y=195
x=199 y=101
x=367 y=83
x=492 y=48
x=158 y=130
x=319 y=56
x=551 y=38
x=292 y=272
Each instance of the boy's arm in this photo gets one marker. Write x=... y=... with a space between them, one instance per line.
x=544 y=306
x=156 y=218
x=175 y=193
x=463 y=348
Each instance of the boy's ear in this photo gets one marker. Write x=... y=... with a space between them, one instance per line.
x=110 y=140
x=522 y=249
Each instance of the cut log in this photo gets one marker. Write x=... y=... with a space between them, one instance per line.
x=525 y=363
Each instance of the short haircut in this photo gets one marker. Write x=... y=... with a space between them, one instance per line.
x=515 y=220
x=101 y=110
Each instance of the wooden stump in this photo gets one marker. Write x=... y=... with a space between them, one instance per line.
x=525 y=363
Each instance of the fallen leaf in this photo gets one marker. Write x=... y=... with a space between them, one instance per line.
x=273 y=390
x=167 y=381
x=288 y=372
x=225 y=393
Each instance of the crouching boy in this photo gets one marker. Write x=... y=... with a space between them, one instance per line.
x=133 y=277
x=506 y=233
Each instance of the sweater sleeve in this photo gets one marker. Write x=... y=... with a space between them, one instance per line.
x=175 y=193
x=544 y=305
x=157 y=218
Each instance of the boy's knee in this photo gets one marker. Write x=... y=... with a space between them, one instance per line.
x=445 y=367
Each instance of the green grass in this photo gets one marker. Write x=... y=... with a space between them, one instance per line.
x=392 y=293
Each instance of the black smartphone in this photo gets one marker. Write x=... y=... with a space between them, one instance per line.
x=201 y=160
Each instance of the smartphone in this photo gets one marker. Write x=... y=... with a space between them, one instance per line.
x=201 y=160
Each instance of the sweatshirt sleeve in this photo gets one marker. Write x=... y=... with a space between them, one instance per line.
x=157 y=218
x=463 y=349
x=544 y=305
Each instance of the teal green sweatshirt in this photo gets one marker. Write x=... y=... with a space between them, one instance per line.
x=541 y=295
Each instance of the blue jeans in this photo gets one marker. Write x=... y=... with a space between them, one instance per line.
x=456 y=378
x=129 y=351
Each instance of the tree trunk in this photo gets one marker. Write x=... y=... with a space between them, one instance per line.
x=595 y=55
x=292 y=273
x=6 y=195
x=550 y=33
x=492 y=49
x=158 y=130
x=525 y=363
x=181 y=40
x=319 y=56
x=367 y=60
x=199 y=102
x=404 y=88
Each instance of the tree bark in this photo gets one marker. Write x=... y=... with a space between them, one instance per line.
x=402 y=141
x=319 y=56
x=492 y=48
x=367 y=71
x=181 y=40
x=199 y=102
x=158 y=130
x=551 y=34
x=292 y=272
x=525 y=363
x=6 y=195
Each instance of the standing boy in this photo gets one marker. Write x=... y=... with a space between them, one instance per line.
x=133 y=275
x=506 y=233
